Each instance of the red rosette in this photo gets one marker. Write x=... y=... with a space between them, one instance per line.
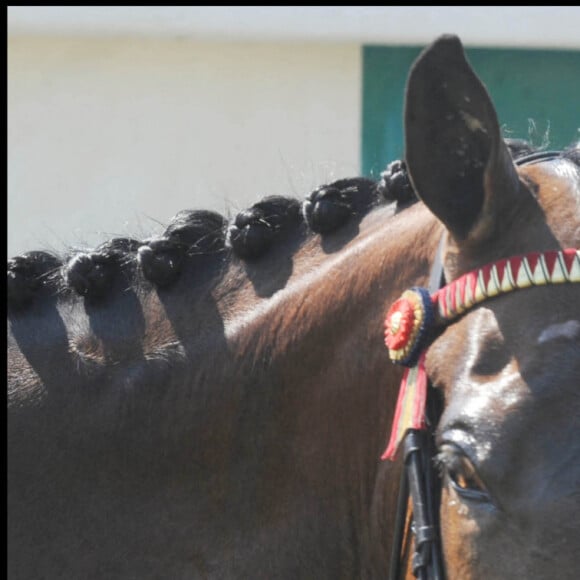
x=408 y=321
x=399 y=324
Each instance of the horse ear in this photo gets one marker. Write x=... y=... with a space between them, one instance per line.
x=457 y=160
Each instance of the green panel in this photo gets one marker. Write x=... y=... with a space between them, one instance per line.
x=536 y=93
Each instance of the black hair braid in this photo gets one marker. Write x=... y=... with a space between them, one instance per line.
x=330 y=206
x=395 y=186
x=91 y=274
x=161 y=260
x=201 y=231
x=255 y=229
x=28 y=274
x=189 y=233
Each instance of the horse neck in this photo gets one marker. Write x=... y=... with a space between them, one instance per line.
x=320 y=389
x=258 y=412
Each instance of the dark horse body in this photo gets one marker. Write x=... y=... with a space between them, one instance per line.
x=227 y=422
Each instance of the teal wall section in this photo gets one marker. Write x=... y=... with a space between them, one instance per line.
x=536 y=93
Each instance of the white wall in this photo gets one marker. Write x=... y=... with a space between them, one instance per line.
x=107 y=135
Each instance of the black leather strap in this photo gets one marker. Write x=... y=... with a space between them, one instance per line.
x=417 y=481
x=537 y=157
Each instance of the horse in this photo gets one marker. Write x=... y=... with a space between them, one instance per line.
x=214 y=402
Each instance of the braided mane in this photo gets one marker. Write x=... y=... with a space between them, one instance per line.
x=192 y=233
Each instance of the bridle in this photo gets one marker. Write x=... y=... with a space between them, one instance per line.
x=412 y=323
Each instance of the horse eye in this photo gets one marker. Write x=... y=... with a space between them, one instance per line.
x=462 y=474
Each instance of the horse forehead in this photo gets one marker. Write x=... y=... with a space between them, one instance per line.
x=532 y=359
x=479 y=335
x=534 y=322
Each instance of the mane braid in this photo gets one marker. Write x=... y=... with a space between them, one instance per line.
x=330 y=206
x=199 y=231
x=29 y=274
x=255 y=229
x=191 y=232
x=91 y=274
x=395 y=186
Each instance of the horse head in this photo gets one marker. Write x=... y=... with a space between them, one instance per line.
x=508 y=367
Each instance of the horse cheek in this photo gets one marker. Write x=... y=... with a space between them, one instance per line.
x=458 y=535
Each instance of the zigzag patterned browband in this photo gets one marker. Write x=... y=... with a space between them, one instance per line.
x=504 y=276
x=410 y=318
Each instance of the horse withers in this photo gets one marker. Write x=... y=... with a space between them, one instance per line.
x=214 y=403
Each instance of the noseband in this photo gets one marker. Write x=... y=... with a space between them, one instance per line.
x=411 y=325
